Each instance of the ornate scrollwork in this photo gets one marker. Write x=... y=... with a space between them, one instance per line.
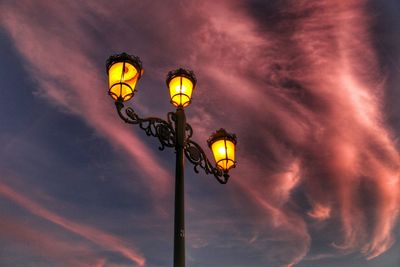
x=189 y=131
x=165 y=132
x=195 y=154
x=156 y=127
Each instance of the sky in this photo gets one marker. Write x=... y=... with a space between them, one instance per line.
x=309 y=87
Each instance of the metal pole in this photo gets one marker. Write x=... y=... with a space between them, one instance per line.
x=179 y=223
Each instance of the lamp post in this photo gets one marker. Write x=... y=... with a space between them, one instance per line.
x=123 y=72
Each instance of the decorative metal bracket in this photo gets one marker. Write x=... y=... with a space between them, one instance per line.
x=195 y=154
x=163 y=130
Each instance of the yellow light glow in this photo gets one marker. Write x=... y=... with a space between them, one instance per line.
x=122 y=78
x=221 y=150
x=180 y=89
x=224 y=153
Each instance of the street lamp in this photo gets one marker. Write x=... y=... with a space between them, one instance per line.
x=181 y=84
x=123 y=72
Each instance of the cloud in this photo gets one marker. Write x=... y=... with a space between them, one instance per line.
x=98 y=237
x=298 y=82
x=44 y=244
x=76 y=87
x=320 y=212
x=303 y=90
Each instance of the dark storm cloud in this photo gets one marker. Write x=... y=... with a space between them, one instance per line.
x=298 y=81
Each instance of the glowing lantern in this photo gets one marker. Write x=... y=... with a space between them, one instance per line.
x=223 y=145
x=181 y=84
x=123 y=72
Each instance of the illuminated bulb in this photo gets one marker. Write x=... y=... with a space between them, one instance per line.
x=181 y=84
x=223 y=145
x=123 y=73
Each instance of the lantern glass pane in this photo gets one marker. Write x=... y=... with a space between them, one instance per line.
x=224 y=153
x=122 y=80
x=180 y=89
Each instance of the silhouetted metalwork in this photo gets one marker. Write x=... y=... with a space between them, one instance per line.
x=124 y=57
x=156 y=127
x=173 y=132
x=195 y=154
x=164 y=130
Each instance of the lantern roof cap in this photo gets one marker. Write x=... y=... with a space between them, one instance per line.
x=182 y=72
x=220 y=135
x=124 y=57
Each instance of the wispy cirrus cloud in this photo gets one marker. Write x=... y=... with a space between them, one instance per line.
x=311 y=94
x=98 y=237
x=66 y=253
x=298 y=82
x=75 y=87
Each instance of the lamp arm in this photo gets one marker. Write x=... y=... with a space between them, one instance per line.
x=195 y=154
x=152 y=126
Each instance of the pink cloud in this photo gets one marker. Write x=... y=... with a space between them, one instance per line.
x=320 y=212
x=98 y=237
x=317 y=91
x=302 y=91
x=45 y=244
x=76 y=87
